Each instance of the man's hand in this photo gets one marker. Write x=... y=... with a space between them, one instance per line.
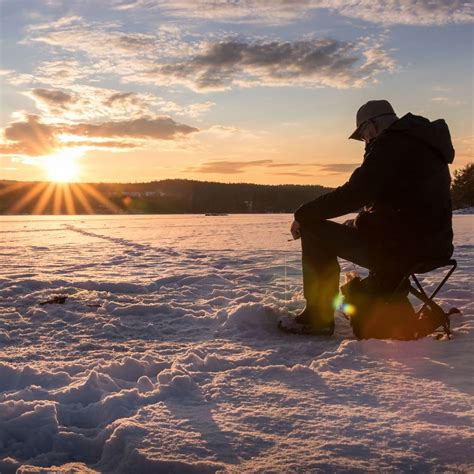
x=295 y=230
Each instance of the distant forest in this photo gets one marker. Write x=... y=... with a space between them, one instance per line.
x=173 y=196
x=178 y=196
x=462 y=188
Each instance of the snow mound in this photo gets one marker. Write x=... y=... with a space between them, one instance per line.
x=252 y=317
x=176 y=381
x=27 y=429
x=14 y=378
x=70 y=468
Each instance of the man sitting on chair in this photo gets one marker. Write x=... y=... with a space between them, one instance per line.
x=404 y=184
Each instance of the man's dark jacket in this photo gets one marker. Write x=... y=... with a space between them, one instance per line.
x=404 y=184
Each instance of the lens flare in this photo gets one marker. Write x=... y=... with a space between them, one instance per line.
x=349 y=309
x=337 y=302
x=339 y=305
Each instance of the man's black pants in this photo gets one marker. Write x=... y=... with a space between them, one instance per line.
x=322 y=242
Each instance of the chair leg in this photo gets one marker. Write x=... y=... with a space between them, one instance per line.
x=435 y=292
x=421 y=294
x=427 y=301
x=445 y=279
x=418 y=284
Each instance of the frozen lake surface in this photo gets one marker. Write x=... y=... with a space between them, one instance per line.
x=166 y=356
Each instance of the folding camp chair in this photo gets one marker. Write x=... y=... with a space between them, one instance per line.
x=420 y=293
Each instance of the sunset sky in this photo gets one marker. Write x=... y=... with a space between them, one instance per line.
x=257 y=91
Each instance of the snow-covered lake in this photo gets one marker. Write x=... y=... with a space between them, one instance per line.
x=166 y=356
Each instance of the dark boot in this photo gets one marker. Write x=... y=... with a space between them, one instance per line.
x=309 y=322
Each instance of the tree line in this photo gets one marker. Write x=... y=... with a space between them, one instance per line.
x=462 y=188
x=172 y=196
x=180 y=196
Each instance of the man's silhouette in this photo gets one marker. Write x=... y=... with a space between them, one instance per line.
x=404 y=184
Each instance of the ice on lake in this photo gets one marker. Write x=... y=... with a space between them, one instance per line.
x=166 y=356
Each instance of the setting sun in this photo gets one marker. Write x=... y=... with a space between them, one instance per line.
x=62 y=166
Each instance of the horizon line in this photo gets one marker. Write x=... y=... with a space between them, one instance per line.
x=156 y=181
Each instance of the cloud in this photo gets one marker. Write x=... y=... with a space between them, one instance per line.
x=159 y=128
x=60 y=22
x=339 y=167
x=127 y=4
x=286 y=165
x=30 y=136
x=195 y=109
x=294 y=173
x=248 y=11
x=121 y=98
x=110 y=145
x=227 y=167
x=294 y=168
x=226 y=131
x=387 y=12
x=320 y=62
x=60 y=72
x=169 y=58
x=86 y=103
x=325 y=167
x=100 y=39
x=315 y=168
x=408 y=12
x=448 y=101
x=53 y=99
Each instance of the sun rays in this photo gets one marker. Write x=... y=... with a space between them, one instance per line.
x=58 y=198
x=58 y=195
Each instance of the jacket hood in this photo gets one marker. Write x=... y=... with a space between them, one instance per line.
x=434 y=134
